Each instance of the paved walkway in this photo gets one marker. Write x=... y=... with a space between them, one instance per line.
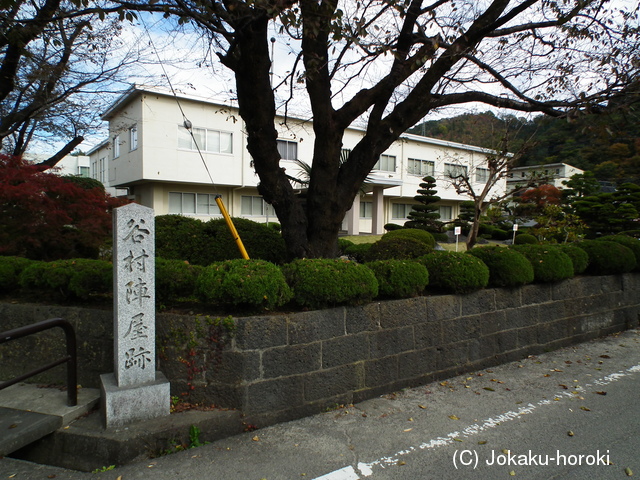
x=573 y=413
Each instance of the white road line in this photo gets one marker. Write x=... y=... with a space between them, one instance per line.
x=366 y=469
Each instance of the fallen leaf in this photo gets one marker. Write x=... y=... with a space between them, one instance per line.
x=605 y=356
x=421 y=406
x=489 y=388
x=506 y=451
x=256 y=439
x=400 y=462
x=585 y=409
x=512 y=473
x=410 y=419
x=601 y=393
x=13 y=425
x=628 y=471
x=456 y=439
x=563 y=386
x=407 y=429
x=570 y=433
x=556 y=370
x=453 y=417
x=482 y=442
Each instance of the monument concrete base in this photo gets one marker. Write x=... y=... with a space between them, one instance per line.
x=125 y=405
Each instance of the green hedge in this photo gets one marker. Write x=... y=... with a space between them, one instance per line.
x=455 y=272
x=578 y=257
x=244 y=283
x=400 y=248
x=607 y=258
x=507 y=267
x=176 y=280
x=181 y=238
x=627 y=241
x=413 y=233
x=75 y=278
x=319 y=283
x=549 y=263
x=10 y=269
x=358 y=251
x=525 y=239
x=399 y=278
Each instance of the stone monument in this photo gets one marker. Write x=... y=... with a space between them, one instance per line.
x=135 y=391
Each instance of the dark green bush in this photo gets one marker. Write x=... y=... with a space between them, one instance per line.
x=627 y=241
x=343 y=245
x=175 y=280
x=607 y=258
x=525 y=239
x=549 y=263
x=10 y=269
x=399 y=278
x=181 y=238
x=507 y=268
x=500 y=234
x=413 y=233
x=440 y=237
x=396 y=248
x=244 y=283
x=358 y=251
x=578 y=257
x=77 y=278
x=455 y=272
x=392 y=226
x=319 y=283
x=260 y=241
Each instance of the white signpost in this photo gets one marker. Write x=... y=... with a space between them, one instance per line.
x=135 y=391
x=457 y=231
x=515 y=229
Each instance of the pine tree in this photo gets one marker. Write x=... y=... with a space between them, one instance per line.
x=425 y=216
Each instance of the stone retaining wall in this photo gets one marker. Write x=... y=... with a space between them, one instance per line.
x=285 y=366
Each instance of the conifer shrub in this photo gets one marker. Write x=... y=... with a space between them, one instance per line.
x=392 y=226
x=343 y=245
x=413 y=233
x=578 y=257
x=455 y=272
x=243 y=283
x=176 y=280
x=319 y=283
x=525 y=239
x=507 y=267
x=607 y=258
x=549 y=263
x=399 y=248
x=181 y=238
x=627 y=241
x=10 y=269
x=79 y=278
x=399 y=278
x=358 y=251
x=260 y=241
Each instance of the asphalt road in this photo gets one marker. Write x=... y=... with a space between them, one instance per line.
x=569 y=414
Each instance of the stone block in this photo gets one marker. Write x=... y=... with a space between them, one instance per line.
x=507 y=298
x=307 y=327
x=274 y=394
x=427 y=334
x=130 y=404
x=442 y=307
x=492 y=322
x=362 y=318
x=383 y=371
x=391 y=342
x=522 y=317
x=233 y=367
x=291 y=360
x=255 y=333
x=332 y=382
x=400 y=313
x=536 y=293
x=345 y=350
x=417 y=363
x=477 y=302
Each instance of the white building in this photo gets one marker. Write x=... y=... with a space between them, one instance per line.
x=151 y=153
x=553 y=173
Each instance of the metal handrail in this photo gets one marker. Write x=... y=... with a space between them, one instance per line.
x=71 y=358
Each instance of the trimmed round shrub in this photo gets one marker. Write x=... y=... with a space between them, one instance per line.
x=549 y=263
x=392 y=226
x=260 y=241
x=629 y=242
x=319 y=283
x=525 y=239
x=399 y=248
x=181 y=238
x=244 y=283
x=399 y=278
x=455 y=272
x=578 y=257
x=507 y=267
x=343 y=245
x=10 y=269
x=607 y=258
x=500 y=234
x=358 y=251
x=78 y=277
x=175 y=279
x=413 y=233
x=440 y=237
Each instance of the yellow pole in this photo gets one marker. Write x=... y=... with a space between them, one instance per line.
x=232 y=228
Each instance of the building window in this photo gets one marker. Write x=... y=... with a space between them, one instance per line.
x=193 y=203
x=253 y=206
x=288 y=150
x=419 y=167
x=366 y=209
x=446 y=213
x=400 y=211
x=482 y=175
x=116 y=146
x=453 y=170
x=205 y=140
x=133 y=137
x=94 y=169
x=102 y=170
x=386 y=163
x=84 y=171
